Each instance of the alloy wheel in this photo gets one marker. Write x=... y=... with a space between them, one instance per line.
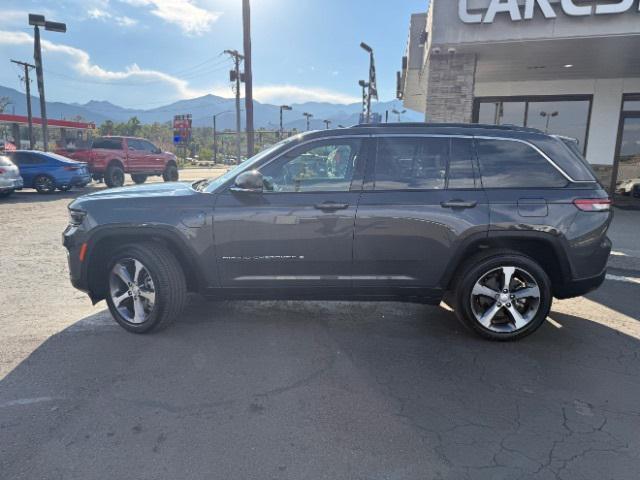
x=132 y=290
x=505 y=299
x=44 y=184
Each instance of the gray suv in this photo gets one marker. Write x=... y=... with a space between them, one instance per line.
x=495 y=220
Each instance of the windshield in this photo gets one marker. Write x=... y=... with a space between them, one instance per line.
x=211 y=184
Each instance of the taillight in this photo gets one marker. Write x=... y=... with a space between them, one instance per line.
x=593 y=204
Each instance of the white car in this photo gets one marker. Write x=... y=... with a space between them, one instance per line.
x=10 y=178
x=626 y=186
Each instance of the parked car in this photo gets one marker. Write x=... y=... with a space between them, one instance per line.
x=497 y=220
x=626 y=187
x=10 y=179
x=46 y=171
x=109 y=158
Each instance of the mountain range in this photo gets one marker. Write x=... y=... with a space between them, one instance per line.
x=203 y=108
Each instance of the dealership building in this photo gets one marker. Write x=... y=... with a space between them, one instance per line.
x=568 y=67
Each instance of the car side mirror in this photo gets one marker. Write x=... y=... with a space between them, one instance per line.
x=249 y=182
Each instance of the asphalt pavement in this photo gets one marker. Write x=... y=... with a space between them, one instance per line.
x=307 y=390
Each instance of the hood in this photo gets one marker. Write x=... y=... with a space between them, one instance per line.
x=171 y=189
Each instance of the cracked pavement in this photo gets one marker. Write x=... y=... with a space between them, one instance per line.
x=291 y=390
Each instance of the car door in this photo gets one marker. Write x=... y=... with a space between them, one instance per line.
x=421 y=200
x=299 y=231
x=138 y=160
x=154 y=156
x=28 y=164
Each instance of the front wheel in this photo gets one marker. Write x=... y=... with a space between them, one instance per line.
x=503 y=296
x=170 y=173
x=147 y=287
x=44 y=184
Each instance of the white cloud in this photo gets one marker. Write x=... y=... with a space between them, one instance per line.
x=123 y=21
x=80 y=61
x=191 y=18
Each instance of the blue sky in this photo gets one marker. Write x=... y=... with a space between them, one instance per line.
x=146 y=53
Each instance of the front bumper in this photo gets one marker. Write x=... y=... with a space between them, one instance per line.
x=73 y=239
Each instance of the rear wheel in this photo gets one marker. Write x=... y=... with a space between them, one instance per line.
x=114 y=176
x=503 y=296
x=170 y=173
x=147 y=288
x=138 y=178
x=44 y=184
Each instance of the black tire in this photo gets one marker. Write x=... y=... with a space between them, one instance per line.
x=138 y=178
x=168 y=279
x=479 y=266
x=5 y=193
x=170 y=173
x=114 y=176
x=44 y=184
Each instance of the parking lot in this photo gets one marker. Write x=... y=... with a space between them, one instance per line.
x=317 y=390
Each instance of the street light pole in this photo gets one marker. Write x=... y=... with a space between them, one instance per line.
x=548 y=116
x=399 y=113
x=282 y=108
x=327 y=123
x=308 y=115
x=38 y=21
x=372 y=88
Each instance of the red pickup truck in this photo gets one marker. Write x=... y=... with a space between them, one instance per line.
x=109 y=158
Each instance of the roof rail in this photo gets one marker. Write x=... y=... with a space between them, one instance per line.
x=450 y=125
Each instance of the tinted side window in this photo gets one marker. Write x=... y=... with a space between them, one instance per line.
x=511 y=164
x=324 y=166
x=137 y=145
x=461 y=169
x=21 y=158
x=108 y=143
x=149 y=147
x=411 y=163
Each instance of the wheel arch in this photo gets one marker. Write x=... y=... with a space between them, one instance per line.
x=115 y=161
x=544 y=248
x=105 y=242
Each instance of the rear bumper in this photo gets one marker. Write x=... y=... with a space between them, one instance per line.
x=577 y=288
x=11 y=184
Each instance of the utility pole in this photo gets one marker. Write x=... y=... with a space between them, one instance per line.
x=27 y=82
x=308 y=115
x=248 y=76
x=215 y=136
x=283 y=107
x=38 y=21
x=327 y=123
x=236 y=76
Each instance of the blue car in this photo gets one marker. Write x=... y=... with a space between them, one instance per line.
x=47 y=171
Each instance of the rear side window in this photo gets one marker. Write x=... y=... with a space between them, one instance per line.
x=23 y=159
x=108 y=143
x=418 y=163
x=512 y=164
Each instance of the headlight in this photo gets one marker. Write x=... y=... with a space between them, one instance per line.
x=76 y=217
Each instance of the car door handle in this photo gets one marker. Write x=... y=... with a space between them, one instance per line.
x=331 y=206
x=459 y=204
